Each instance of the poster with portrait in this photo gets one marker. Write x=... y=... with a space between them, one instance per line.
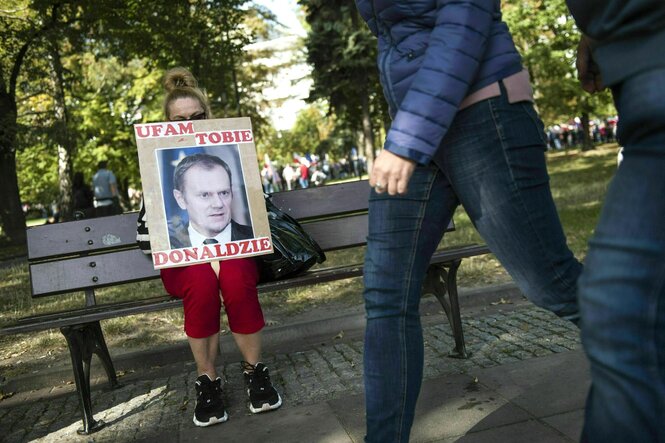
x=202 y=191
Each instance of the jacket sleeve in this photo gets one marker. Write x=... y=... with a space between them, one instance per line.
x=366 y=12
x=455 y=49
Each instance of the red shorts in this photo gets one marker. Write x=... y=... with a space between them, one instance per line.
x=198 y=287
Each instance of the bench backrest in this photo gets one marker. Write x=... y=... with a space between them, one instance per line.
x=98 y=252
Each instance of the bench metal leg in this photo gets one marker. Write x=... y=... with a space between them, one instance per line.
x=440 y=282
x=102 y=351
x=84 y=340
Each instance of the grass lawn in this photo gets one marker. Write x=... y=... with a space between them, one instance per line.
x=578 y=180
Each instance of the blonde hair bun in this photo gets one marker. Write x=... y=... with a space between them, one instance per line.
x=178 y=78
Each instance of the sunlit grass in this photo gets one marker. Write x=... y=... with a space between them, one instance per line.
x=578 y=180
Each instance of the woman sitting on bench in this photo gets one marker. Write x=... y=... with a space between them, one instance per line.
x=199 y=287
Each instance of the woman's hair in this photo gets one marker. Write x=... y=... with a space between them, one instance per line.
x=180 y=83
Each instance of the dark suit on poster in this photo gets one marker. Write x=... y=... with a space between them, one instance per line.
x=179 y=237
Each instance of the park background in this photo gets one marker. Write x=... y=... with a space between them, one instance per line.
x=76 y=75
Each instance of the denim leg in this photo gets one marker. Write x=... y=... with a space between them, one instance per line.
x=622 y=289
x=404 y=231
x=494 y=158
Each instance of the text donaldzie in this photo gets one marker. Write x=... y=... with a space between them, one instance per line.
x=187 y=256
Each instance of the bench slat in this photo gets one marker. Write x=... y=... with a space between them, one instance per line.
x=458 y=252
x=339 y=199
x=64 y=318
x=82 y=236
x=69 y=275
x=339 y=233
x=126 y=306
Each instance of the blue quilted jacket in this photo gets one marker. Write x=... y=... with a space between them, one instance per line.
x=432 y=54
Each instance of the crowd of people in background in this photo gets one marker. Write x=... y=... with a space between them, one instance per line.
x=571 y=134
x=310 y=170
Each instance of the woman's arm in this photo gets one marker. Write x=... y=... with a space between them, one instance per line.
x=456 y=47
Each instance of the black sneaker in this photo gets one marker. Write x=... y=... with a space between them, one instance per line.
x=209 y=404
x=262 y=395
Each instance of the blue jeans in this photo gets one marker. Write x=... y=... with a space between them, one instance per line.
x=492 y=163
x=622 y=288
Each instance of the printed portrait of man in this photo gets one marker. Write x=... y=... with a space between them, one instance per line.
x=203 y=188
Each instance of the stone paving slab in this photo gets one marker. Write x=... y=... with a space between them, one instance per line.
x=557 y=389
x=149 y=408
x=530 y=431
x=295 y=424
x=482 y=406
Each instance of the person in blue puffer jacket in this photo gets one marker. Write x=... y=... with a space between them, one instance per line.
x=464 y=131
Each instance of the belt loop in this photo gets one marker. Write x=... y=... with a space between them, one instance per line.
x=502 y=88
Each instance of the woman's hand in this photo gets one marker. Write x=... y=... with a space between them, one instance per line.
x=391 y=173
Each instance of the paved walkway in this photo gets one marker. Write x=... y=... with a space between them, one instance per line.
x=526 y=381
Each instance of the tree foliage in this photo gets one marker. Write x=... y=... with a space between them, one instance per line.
x=342 y=53
x=546 y=37
x=20 y=29
x=108 y=57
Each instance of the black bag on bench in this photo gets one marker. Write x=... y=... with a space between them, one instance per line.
x=294 y=250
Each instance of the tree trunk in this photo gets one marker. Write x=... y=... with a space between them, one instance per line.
x=123 y=194
x=11 y=212
x=12 y=219
x=587 y=143
x=368 y=133
x=64 y=141
x=368 y=130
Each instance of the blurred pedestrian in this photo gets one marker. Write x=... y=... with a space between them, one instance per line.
x=82 y=198
x=105 y=188
x=267 y=179
x=288 y=174
x=318 y=177
x=303 y=180
x=622 y=288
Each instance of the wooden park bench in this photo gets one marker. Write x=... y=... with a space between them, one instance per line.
x=85 y=255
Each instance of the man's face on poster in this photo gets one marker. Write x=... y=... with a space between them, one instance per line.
x=206 y=196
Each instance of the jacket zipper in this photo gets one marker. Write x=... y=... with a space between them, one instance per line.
x=383 y=63
x=392 y=100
